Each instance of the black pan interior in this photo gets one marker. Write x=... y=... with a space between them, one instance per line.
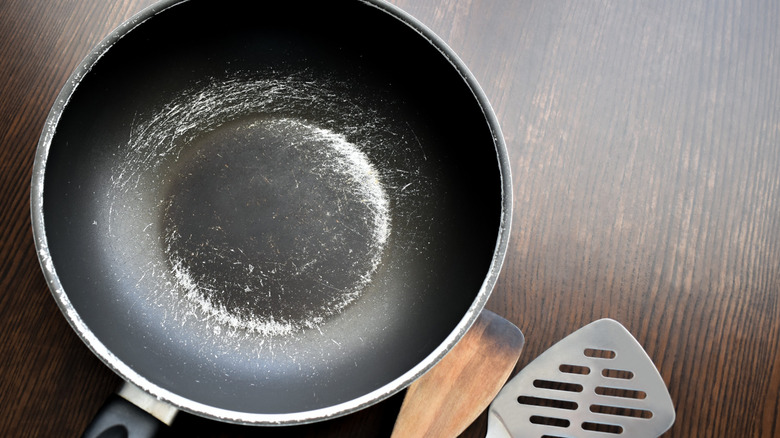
x=272 y=207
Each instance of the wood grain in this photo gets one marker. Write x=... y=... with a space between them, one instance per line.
x=644 y=138
x=449 y=397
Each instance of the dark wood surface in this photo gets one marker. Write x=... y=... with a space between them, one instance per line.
x=644 y=139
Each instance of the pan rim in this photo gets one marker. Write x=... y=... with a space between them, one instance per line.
x=232 y=416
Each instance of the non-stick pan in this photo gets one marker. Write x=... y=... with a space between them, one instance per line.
x=271 y=212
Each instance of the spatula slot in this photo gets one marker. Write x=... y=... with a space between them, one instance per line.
x=550 y=421
x=601 y=427
x=558 y=386
x=547 y=402
x=600 y=353
x=621 y=392
x=623 y=412
x=574 y=369
x=617 y=374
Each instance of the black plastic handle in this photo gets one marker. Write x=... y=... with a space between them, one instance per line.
x=119 y=418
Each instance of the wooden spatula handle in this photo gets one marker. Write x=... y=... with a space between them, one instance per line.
x=447 y=399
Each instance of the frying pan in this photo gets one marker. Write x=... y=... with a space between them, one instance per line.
x=271 y=214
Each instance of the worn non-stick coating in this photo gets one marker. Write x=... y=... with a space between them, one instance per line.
x=271 y=213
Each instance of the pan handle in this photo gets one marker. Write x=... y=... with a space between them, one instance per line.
x=131 y=413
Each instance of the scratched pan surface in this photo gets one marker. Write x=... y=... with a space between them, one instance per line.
x=271 y=214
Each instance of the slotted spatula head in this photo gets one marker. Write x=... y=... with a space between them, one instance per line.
x=597 y=382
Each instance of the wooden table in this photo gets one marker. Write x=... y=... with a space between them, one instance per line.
x=644 y=139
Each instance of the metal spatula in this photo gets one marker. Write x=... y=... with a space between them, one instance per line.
x=597 y=382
